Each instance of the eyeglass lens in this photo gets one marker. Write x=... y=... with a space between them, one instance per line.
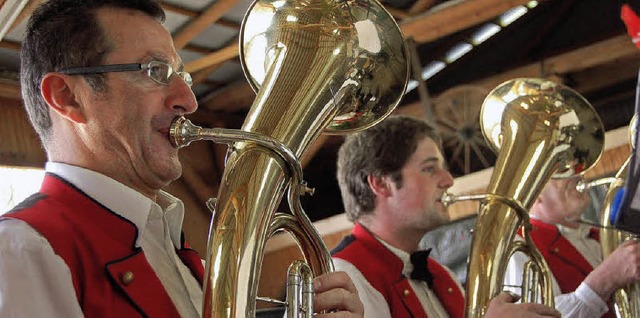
x=161 y=73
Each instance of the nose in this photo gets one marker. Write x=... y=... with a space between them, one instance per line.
x=446 y=180
x=181 y=97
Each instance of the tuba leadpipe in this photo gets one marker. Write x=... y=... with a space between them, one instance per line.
x=539 y=129
x=316 y=66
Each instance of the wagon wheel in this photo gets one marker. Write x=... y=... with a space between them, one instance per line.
x=457 y=112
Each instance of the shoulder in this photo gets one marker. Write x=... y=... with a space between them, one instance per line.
x=19 y=237
x=375 y=305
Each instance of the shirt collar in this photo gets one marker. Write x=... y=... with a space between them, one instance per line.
x=123 y=200
x=582 y=231
x=402 y=255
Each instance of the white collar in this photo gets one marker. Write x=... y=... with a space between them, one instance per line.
x=123 y=200
x=402 y=255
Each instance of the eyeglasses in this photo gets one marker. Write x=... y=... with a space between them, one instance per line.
x=157 y=71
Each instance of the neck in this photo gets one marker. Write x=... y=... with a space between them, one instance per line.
x=403 y=239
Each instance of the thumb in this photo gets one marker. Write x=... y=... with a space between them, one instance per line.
x=507 y=297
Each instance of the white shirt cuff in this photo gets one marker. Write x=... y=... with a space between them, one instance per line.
x=590 y=299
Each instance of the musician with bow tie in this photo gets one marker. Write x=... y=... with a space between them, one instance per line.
x=392 y=177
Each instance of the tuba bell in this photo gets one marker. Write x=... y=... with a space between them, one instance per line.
x=539 y=129
x=323 y=65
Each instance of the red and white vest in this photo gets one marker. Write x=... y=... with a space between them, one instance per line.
x=111 y=276
x=383 y=270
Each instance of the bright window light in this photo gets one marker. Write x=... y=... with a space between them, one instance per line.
x=17 y=184
x=512 y=15
x=485 y=32
x=411 y=86
x=457 y=51
x=432 y=68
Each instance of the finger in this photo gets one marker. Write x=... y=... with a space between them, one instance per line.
x=544 y=310
x=507 y=297
x=338 y=300
x=333 y=280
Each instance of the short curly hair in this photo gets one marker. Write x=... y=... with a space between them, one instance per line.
x=381 y=150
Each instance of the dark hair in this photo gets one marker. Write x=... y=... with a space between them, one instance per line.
x=66 y=33
x=381 y=150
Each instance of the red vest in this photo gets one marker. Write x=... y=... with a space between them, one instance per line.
x=568 y=266
x=111 y=276
x=383 y=270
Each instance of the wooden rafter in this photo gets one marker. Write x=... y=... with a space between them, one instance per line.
x=453 y=18
x=26 y=12
x=197 y=25
x=218 y=57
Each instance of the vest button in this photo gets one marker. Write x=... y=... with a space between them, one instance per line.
x=556 y=250
x=406 y=292
x=126 y=278
x=449 y=290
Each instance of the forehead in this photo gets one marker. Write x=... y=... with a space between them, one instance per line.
x=427 y=149
x=133 y=36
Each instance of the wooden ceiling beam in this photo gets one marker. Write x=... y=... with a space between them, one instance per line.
x=424 y=28
x=199 y=24
x=167 y=7
x=218 y=57
x=606 y=52
x=603 y=52
x=421 y=6
x=449 y=19
x=25 y=13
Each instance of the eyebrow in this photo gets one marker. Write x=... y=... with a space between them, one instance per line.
x=444 y=163
x=164 y=59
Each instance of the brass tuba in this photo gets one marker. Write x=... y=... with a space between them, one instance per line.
x=540 y=129
x=316 y=65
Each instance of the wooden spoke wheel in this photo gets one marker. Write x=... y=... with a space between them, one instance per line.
x=457 y=112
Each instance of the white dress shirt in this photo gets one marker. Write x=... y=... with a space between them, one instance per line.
x=583 y=302
x=375 y=306
x=36 y=282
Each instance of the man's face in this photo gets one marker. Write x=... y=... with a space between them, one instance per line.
x=560 y=200
x=127 y=125
x=424 y=179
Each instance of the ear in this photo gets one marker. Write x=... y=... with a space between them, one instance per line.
x=58 y=90
x=381 y=186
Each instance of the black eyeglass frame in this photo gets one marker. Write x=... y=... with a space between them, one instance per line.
x=84 y=70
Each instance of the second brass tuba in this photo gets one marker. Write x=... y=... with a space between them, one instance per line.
x=316 y=65
x=540 y=129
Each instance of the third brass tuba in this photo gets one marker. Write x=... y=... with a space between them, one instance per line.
x=626 y=300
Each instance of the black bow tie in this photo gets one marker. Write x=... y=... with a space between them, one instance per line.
x=420 y=269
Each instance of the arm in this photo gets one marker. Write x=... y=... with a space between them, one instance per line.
x=34 y=281
x=619 y=269
x=583 y=302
